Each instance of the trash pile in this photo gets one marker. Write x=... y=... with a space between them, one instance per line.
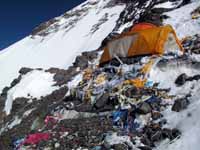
x=123 y=106
x=192 y=44
x=109 y=82
x=134 y=101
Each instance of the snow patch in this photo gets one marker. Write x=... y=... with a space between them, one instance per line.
x=113 y=139
x=8 y=126
x=15 y=122
x=187 y=122
x=33 y=85
x=166 y=77
x=72 y=114
x=167 y=4
x=74 y=82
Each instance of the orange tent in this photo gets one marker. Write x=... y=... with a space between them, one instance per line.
x=142 y=26
x=153 y=40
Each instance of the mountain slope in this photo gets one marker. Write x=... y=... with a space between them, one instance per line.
x=76 y=107
x=81 y=29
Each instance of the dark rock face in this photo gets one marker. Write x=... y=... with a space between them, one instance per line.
x=157 y=136
x=180 y=104
x=102 y=101
x=62 y=76
x=4 y=91
x=13 y=83
x=82 y=60
x=120 y=147
x=185 y=2
x=25 y=70
x=145 y=148
x=154 y=133
x=181 y=79
x=16 y=81
x=40 y=30
x=195 y=77
x=131 y=10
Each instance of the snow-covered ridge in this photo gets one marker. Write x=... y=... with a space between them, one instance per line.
x=91 y=28
x=65 y=42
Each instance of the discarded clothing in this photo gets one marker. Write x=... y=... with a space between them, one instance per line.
x=120 y=116
x=125 y=120
x=36 y=138
x=100 y=79
x=97 y=148
x=149 y=84
x=87 y=74
x=50 y=120
x=152 y=99
x=18 y=143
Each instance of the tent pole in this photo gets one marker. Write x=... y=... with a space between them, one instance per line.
x=118 y=59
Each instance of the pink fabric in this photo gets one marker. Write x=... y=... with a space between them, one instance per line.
x=36 y=138
x=50 y=119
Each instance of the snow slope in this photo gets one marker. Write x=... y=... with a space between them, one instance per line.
x=62 y=45
x=182 y=21
x=187 y=121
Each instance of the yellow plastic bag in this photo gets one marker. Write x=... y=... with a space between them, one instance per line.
x=100 y=79
x=87 y=74
x=138 y=83
x=147 y=67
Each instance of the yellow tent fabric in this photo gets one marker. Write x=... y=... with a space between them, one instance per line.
x=143 y=42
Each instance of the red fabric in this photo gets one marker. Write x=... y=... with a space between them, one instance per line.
x=50 y=119
x=142 y=26
x=36 y=138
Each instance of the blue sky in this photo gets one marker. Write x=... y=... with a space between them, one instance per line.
x=19 y=17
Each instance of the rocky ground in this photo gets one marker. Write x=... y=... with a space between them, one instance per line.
x=95 y=125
